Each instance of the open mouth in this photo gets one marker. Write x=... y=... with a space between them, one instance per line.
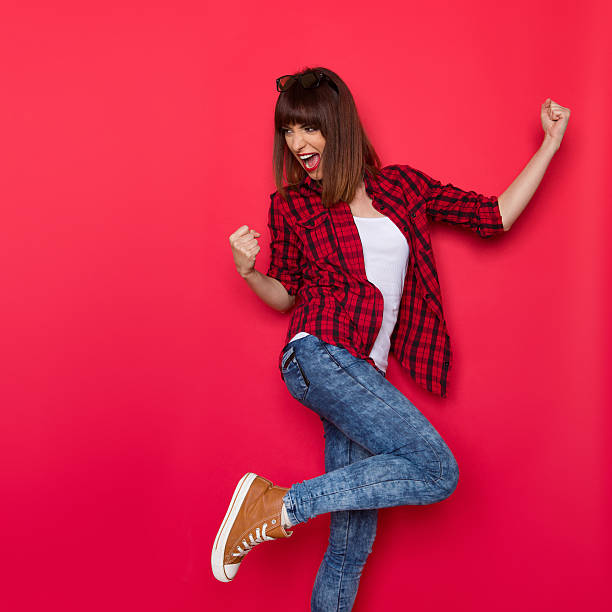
x=311 y=161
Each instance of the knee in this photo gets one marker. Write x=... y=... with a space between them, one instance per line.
x=449 y=475
x=435 y=465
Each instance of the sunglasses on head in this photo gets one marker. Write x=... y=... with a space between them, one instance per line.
x=308 y=80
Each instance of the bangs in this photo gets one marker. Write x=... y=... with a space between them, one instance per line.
x=301 y=115
x=304 y=106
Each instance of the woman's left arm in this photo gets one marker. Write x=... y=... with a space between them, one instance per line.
x=512 y=202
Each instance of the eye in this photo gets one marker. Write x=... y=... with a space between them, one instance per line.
x=311 y=129
x=285 y=131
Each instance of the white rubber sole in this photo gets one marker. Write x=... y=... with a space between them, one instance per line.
x=216 y=559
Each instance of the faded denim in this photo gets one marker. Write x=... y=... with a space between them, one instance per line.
x=380 y=451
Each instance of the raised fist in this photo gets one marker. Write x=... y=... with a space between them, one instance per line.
x=244 y=248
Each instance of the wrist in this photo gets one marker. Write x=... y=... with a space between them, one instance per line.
x=550 y=145
x=249 y=274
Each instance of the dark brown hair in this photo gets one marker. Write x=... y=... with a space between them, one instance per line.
x=348 y=153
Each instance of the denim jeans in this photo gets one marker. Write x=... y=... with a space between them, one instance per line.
x=380 y=451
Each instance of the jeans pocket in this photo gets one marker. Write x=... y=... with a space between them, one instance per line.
x=297 y=382
x=340 y=355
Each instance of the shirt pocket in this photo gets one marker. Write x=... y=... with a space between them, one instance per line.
x=318 y=235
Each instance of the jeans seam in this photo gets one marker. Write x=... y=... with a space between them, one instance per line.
x=369 y=485
x=348 y=522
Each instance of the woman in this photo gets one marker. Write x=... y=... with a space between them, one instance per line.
x=351 y=255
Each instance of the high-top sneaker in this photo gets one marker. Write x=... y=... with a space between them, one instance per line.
x=253 y=516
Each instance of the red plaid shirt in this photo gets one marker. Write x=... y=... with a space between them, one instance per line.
x=316 y=253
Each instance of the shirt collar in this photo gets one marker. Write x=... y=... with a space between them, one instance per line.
x=371 y=184
x=309 y=184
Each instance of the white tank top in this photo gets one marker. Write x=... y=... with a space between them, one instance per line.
x=385 y=254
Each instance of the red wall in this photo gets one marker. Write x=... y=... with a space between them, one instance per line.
x=139 y=373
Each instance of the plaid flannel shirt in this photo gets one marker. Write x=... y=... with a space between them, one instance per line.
x=316 y=253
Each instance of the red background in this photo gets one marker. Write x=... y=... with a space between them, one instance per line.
x=139 y=372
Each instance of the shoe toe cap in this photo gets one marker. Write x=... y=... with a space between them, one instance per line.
x=231 y=570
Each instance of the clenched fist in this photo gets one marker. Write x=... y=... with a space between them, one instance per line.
x=554 y=120
x=244 y=248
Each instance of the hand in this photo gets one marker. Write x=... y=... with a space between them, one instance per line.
x=244 y=248
x=554 y=120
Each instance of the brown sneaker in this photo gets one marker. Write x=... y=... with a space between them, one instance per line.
x=253 y=516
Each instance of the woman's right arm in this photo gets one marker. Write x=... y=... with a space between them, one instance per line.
x=270 y=290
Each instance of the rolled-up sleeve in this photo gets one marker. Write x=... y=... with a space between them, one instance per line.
x=285 y=255
x=450 y=204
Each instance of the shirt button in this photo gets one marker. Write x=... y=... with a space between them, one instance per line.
x=413 y=214
x=428 y=296
x=446 y=364
x=405 y=228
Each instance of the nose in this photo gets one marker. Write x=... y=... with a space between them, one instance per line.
x=297 y=142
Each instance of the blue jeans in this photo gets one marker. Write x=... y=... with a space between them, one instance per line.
x=380 y=451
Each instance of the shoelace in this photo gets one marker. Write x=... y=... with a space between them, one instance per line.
x=260 y=536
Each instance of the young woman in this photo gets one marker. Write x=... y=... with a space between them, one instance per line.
x=351 y=255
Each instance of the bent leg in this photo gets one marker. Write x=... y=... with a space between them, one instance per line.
x=351 y=535
x=410 y=462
